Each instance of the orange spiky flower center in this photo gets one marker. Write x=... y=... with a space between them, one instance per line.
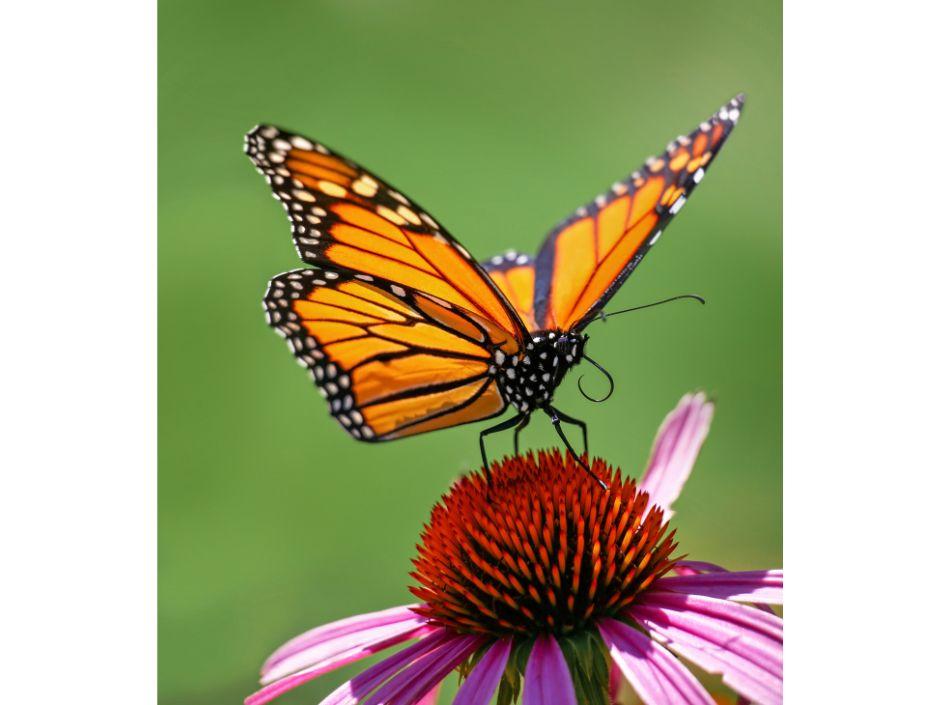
x=541 y=548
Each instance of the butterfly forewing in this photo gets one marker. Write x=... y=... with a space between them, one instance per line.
x=348 y=219
x=586 y=258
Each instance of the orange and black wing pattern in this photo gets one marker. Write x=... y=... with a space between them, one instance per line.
x=586 y=258
x=390 y=361
x=347 y=219
x=514 y=274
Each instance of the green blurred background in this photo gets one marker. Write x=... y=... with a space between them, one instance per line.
x=500 y=118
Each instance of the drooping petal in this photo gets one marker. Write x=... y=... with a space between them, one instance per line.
x=356 y=689
x=345 y=649
x=675 y=449
x=484 y=679
x=740 y=642
x=763 y=586
x=412 y=683
x=686 y=567
x=431 y=697
x=655 y=674
x=343 y=627
x=547 y=679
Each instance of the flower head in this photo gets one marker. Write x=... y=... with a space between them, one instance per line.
x=541 y=548
x=543 y=584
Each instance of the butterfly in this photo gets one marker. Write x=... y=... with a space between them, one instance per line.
x=404 y=332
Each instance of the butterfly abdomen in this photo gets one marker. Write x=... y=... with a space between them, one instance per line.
x=528 y=379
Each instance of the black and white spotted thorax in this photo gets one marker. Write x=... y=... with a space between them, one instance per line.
x=529 y=378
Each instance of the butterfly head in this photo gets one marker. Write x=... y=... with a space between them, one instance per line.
x=528 y=379
x=570 y=346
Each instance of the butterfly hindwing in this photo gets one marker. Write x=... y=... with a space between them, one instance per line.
x=390 y=362
x=514 y=274
x=586 y=258
x=347 y=219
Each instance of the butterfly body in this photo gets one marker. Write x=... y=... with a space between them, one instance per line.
x=404 y=332
x=528 y=379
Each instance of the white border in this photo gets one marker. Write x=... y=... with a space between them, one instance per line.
x=78 y=282
x=861 y=351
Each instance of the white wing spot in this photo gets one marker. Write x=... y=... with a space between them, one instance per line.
x=409 y=215
x=677 y=206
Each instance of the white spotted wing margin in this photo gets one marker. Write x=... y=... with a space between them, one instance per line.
x=389 y=362
x=680 y=178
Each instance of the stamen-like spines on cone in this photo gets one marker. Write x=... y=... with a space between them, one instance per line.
x=542 y=548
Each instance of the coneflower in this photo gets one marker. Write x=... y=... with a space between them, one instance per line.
x=543 y=585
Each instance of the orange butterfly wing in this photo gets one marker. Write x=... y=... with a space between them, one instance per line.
x=586 y=258
x=390 y=361
x=348 y=219
x=514 y=274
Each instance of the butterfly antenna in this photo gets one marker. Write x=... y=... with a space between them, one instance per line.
x=603 y=316
x=610 y=382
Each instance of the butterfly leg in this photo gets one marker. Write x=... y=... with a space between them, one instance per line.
x=556 y=422
x=515 y=436
x=575 y=422
x=501 y=426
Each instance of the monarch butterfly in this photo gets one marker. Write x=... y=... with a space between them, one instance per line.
x=404 y=332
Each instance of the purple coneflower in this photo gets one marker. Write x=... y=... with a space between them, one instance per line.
x=544 y=585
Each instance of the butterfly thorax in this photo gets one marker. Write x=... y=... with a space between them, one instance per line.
x=529 y=378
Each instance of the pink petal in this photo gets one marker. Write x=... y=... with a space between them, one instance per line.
x=344 y=649
x=547 y=679
x=764 y=586
x=696 y=567
x=414 y=682
x=742 y=643
x=342 y=627
x=675 y=449
x=655 y=674
x=358 y=688
x=354 y=688
x=485 y=676
x=431 y=697
x=618 y=691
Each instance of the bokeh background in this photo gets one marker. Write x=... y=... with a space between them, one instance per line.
x=500 y=118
